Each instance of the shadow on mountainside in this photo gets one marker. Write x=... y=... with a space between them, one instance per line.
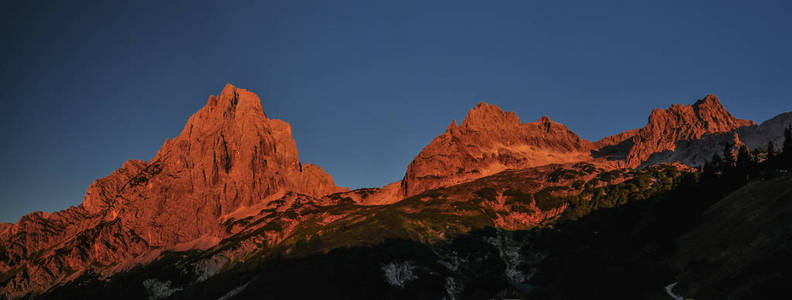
x=614 y=152
x=719 y=233
x=631 y=251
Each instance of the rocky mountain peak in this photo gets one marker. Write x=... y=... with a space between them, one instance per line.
x=489 y=116
x=710 y=100
x=451 y=127
x=666 y=127
x=228 y=157
x=236 y=103
x=489 y=141
x=232 y=181
x=547 y=125
x=710 y=110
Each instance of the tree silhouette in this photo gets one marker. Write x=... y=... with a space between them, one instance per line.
x=786 y=150
x=728 y=156
x=745 y=167
x=712 y=167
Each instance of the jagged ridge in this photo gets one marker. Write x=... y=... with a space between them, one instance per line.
x=489 y=141
x=231 y=160
x=229 y=156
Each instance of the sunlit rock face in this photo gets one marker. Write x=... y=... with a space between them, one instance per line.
x=231 y=183
x=229 y=156
x=488 y=141
x=666 y=128
x=696 y=152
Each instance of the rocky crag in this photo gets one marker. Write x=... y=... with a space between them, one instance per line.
x=231 y=184
x=228 y=157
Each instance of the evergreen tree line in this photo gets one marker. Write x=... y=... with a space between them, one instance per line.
x=738 y=165
x=638 y=242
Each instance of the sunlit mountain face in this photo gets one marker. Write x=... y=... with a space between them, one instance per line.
x=493 y=207
x=395 y=150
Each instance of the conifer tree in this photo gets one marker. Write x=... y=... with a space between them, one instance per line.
x=770 y=164
x=728 y=155
x=746 y=164
x=786 y=150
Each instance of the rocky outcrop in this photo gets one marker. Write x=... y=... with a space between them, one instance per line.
x=232 y=182
x=615 y=139
x=757 y=137
x=666 y=128
x=229 y=156
x=488 y=141
x=491 y=140
x=697 y=151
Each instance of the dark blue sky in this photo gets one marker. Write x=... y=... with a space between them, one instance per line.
x=86 y=86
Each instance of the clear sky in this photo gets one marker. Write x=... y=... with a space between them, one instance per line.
x=85 y=86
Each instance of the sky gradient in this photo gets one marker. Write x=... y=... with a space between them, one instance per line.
x=86 y=86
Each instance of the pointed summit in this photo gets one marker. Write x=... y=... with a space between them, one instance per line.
x=489 y=141
x=233 y=104
x=679 y=122
x=545 y=123
x=709 y=100
x=233 y=100
x=711 y=107
x=452 y=126
x=230 y=140
x=228 y=157
x=488 y=116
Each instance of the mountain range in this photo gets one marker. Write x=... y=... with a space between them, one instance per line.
x=227 y=204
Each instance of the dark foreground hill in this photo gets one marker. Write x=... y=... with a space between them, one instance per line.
x=712 y=242
x=493 y=207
